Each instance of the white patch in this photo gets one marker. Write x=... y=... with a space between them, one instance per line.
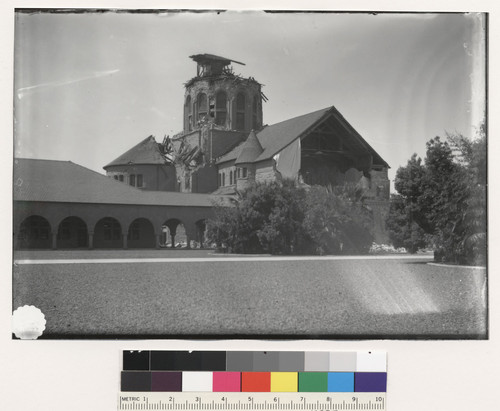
x=28 y=322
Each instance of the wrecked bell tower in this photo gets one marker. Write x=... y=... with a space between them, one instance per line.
x=220 y=97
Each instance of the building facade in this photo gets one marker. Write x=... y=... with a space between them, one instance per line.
x=224 y=147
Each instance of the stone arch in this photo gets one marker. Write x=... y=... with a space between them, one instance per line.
x=72 y=232
x=141 y=234
x=34 y=233
x=108 y=233
x=176 y=232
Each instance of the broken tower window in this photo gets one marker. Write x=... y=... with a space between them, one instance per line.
x=220 y=108
x=202 y=106
x=240 y=111
x=255 y=123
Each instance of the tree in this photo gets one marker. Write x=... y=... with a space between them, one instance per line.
x=446 y=197
x=402 y=228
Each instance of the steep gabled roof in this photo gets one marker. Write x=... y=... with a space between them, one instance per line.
x=146 y=152
x=67 y=182
x=251 y=149
x=276 y=137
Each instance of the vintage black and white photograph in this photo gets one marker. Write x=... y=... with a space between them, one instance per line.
x=209 y=174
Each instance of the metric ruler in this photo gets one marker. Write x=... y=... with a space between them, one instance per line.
x=327 y=401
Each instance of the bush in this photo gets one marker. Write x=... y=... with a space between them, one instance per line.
x=280 y=218
x=337 y=221
x=267 y=218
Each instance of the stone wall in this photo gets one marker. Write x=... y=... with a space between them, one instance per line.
x=232 y=86
x=156 y=177
x=264 y=171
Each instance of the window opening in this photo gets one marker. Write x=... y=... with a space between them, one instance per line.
x=240 y=111
x=202 y=106
x=220 y=108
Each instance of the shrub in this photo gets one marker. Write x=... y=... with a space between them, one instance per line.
x=280 y=218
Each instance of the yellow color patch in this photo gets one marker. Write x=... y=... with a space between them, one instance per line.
x=284 y=382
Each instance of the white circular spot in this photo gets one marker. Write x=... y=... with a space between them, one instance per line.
x=28 y=322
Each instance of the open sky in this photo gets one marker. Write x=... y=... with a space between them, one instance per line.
x=90 y=86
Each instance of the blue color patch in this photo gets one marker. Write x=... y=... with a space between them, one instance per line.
x=340 y=382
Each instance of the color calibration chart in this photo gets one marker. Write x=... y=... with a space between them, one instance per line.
x=253 y=380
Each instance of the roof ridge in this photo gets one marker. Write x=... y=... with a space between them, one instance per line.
x=325 y=109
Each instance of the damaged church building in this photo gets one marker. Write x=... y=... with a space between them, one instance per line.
x=155 y=187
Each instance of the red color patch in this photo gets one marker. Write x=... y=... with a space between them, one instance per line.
x=256 y=382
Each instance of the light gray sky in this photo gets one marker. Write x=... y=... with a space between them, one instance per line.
x=90 y=86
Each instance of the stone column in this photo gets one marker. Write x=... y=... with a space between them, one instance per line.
x=124 y=242
x=54 y=241
x=91 y=240
x=158 y=241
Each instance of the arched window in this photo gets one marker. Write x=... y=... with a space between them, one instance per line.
x=202 y=105
x=220 y=108
x=189 y=114
x=240 y=111
x=255 y=117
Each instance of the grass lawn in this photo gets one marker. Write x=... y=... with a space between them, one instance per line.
x=329 y=298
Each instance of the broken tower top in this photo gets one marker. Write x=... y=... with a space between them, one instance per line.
x=211 y=65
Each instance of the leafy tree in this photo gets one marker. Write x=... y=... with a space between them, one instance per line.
x=446 y=197
x=402 y=228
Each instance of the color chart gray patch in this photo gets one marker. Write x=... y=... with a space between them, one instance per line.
x=317 y=361
x=343 y=361
x=291 y=361
x=265 y=361
x=239 y=361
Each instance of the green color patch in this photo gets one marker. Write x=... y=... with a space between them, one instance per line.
x=313 y=382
